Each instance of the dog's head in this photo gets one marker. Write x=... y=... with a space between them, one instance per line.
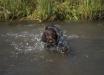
x=50 y=35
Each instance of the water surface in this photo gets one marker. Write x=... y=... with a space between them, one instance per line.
x=22 y=52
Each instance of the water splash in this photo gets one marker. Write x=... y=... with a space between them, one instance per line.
x=28 y=41
x=25 y=41
x=73 y=36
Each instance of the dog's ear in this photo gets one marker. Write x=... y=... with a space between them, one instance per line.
x=46 y=27
x=43 y=37
x=49 y=26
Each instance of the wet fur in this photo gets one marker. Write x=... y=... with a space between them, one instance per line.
x=59 y=48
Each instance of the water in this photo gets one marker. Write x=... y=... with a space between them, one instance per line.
x=22 y=52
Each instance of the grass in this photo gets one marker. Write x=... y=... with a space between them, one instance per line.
x=13 y=9
x=49 y=10
x=43 y=11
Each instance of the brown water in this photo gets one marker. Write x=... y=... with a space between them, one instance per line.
x=22 y=52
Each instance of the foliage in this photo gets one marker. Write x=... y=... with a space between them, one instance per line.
x=13 y=9
x=49 y=10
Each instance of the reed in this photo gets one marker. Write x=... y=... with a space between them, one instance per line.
x=89 y=8
x=43 y=10
x=14 y=9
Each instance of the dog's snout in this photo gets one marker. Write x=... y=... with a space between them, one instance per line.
x=50 y=41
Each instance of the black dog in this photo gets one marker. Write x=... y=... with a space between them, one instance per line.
x=53 y=38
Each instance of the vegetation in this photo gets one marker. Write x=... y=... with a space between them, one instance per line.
x=49 y=10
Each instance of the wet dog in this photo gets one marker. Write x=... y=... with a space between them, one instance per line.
x=53 y=38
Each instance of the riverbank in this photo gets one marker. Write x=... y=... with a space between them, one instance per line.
x=51 y=10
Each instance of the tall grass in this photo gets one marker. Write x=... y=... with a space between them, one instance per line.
x=13 y=9
x=89 y=8
x=43 y=10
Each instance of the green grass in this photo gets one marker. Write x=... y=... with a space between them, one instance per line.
x=89 y=8
x=49 y=10
x=43 y=11
x=14 y=9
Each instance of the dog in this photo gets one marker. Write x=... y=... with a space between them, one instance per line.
x=53 y=38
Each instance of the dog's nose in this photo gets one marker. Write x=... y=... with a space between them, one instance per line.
x=50 y=41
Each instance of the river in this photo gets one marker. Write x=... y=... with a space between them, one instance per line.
x=22 y=52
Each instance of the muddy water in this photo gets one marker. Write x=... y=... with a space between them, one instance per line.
x=22 y=52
